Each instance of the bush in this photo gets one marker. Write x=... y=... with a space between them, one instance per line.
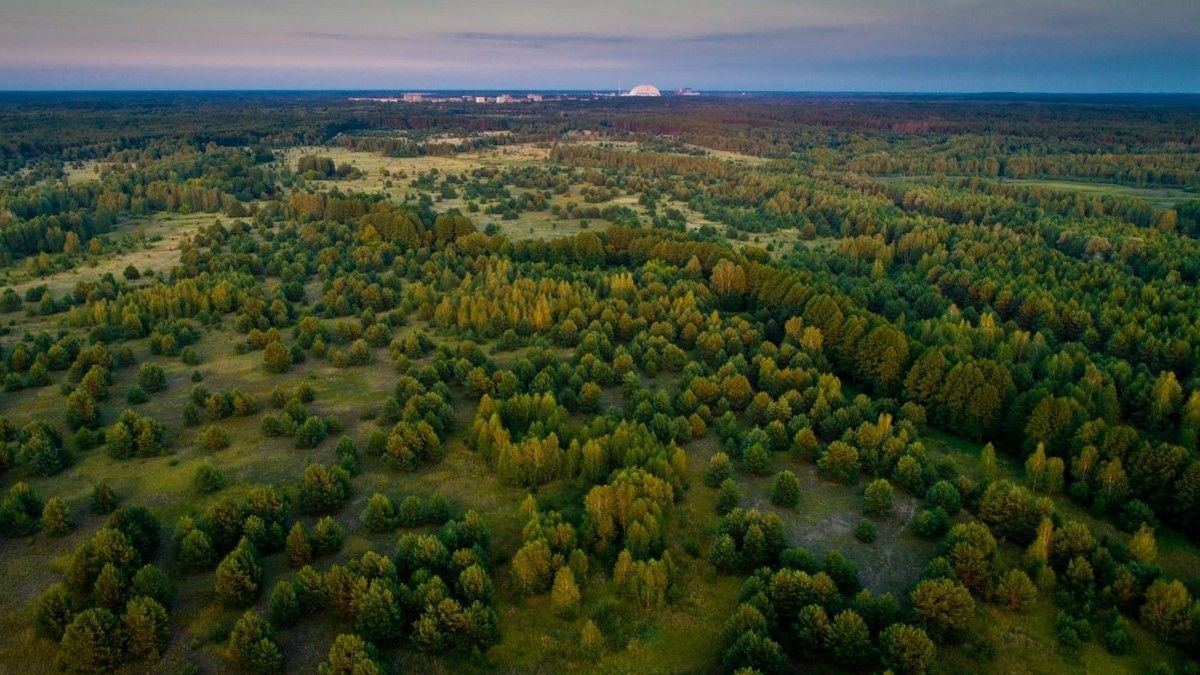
x=213 y=438
x=103 y=499
x=930 y=523
x=865 y=532
x=152 y=377
x=310 y=433
x=136 y=395
x=323 y=489
x=207 y=480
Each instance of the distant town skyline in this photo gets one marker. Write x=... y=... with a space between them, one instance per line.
x=785 y=45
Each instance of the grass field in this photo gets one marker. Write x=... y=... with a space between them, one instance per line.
x=1158 y=197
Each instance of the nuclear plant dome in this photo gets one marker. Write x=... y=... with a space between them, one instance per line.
x=644 y=90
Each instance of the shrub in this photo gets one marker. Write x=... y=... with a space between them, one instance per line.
x=207 y=480
x=930 y=523
x=323 y=489
x=151 y=377
x=136 y=395
x=103 y=499
x=865 y=532
x=213 y=438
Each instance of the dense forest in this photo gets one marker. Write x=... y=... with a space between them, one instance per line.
x=763 y=384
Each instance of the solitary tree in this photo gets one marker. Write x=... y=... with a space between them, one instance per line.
x=785 y=491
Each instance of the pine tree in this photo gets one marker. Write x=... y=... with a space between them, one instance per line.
x=109 y=587
x=277 y=358
x=906 y=649
x=299 y=549
x=54 y=612
x=146 y=629
x=379 y=515
x=1015 y=589
x=252 y=645
x=91 y=643
x=151 y=582
x=56 y=517
x=943 y=606
x=379 y=617
x=758 y=460
x=239 y=576
x=283 y=607
x=327 y=536
x=849 y=638
x=195 y=551
x=719 y=468
x=729 y=496
x=785 y=490
x=104 y=499
x=350 y=655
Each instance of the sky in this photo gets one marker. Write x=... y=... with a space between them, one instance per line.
x=785 y=45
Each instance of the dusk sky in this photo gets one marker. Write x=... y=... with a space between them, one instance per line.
x=832 y=45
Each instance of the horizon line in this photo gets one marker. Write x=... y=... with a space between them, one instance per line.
x=667 y=93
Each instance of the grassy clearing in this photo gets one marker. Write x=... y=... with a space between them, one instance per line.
x=148 y=243
x=1158 y=197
